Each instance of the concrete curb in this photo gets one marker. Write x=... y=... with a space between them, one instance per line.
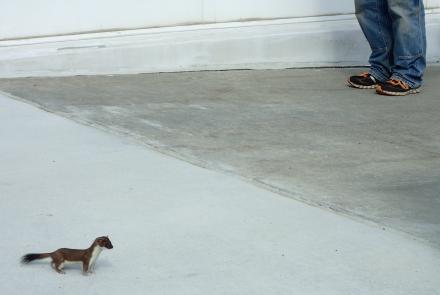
x=272 y=44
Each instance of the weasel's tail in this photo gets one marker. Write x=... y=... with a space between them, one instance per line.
x=31 y=257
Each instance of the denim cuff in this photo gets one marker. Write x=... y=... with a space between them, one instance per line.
x=378 y=75
x=396 y=76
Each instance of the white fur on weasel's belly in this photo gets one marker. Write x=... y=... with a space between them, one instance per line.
x=96 y=251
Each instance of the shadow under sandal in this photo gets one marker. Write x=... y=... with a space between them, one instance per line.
x=395 y=87
x=363 y=81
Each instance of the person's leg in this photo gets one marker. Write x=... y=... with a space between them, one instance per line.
x=408 y=18
x=373 y=17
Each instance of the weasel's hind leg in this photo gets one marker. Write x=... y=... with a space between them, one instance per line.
x=58 y=267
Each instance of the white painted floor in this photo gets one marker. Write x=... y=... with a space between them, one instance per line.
x=176 y=228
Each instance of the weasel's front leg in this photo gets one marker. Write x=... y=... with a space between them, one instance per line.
x=92 y=267
x=85 y=268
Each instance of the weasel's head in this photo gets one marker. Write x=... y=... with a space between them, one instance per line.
x=104 y=242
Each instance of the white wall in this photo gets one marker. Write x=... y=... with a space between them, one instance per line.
x=25 y=18
x=294 y=33
x=432 y=3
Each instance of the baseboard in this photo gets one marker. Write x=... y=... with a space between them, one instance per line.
x=272 y=44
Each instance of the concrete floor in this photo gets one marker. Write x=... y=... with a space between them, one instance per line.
x=176 y=228
x=300 y=133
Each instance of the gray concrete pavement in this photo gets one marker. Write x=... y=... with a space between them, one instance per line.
x=300 y=133
x=176 y=228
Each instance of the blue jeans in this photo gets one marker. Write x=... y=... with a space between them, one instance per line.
x=395 y=30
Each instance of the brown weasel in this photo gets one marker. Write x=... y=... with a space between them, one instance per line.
x=64 y=256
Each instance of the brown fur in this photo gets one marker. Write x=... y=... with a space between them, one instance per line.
x=60 y=256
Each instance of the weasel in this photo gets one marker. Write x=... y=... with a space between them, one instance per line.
x=64 y=256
